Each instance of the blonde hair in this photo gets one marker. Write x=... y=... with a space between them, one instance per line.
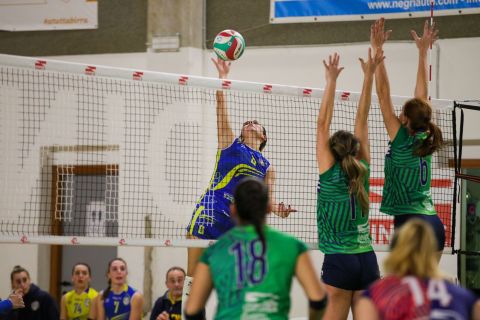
x=414 y=250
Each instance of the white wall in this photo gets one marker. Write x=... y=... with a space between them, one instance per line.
x=302 y=66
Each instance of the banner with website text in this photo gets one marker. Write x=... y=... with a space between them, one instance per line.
x=32 y=15
x=290 y=11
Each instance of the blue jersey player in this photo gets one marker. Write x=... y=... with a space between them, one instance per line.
x=237 y=157
x=119 y=301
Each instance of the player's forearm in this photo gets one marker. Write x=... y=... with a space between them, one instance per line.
x=326 y=109
x=365 y=101
x=421 y=86
x=382 y=86
x=225 y=133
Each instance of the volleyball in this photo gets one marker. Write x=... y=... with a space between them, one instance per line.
x=229 y=45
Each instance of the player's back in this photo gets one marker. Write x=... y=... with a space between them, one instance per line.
x=249 y=283
x=414 y=298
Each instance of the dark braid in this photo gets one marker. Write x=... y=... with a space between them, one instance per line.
x=251 y=201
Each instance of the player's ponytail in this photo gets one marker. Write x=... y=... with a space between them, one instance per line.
x=251 y=201
x=419 y=115
x=344 y=147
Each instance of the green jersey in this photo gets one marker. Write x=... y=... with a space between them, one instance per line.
x=251 y=283
x=407 y=177
x=342 y=226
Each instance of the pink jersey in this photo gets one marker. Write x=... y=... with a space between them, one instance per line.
x=414 y=298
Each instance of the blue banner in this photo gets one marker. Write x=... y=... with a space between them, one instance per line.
x=282 y=11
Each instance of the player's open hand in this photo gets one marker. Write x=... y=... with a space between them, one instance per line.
x=223 y=67
x=372 y=62
x=332 y=68
x=378 y=35
x=282 y=210
x=430 y=35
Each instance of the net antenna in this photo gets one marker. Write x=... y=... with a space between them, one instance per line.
x=106 y=156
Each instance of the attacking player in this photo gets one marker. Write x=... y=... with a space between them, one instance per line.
x=237 y=158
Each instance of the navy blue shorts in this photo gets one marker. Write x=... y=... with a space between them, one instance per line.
x=209 y=224
x=350 y=271
x=433 y=220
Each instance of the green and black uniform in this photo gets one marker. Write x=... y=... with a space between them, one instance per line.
x=344 y=232
x=251 y=284
x=406 y=193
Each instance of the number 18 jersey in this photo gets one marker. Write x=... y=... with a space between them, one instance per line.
x=252 y=284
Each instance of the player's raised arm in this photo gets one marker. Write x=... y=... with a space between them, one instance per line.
x=324 y=156
x=224 y=129
x=361 y=119
x=378 y=36
x=430 y=35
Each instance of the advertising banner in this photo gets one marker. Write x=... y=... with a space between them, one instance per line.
x=32 y=15
x=288 y=11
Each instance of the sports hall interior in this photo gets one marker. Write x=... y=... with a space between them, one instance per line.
x=276 y=53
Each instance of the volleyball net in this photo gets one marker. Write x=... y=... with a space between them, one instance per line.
x=109 y=156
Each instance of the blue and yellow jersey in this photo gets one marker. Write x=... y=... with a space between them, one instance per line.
x=233 y=163
x=78 y=305
x=118 y=306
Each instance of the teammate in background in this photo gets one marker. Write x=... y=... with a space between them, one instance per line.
x=169 y=306
x=414 y=287
x=350 y=264
x=39 y=305
x=119 y=301
x=236 y=158
x=78 y=304
x=413 y=140
x=252 y=265
x=14 y=301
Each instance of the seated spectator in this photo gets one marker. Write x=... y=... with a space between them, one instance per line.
x=169 y=306
x=39 y=305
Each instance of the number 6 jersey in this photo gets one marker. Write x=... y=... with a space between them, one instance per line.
x=407 y=177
